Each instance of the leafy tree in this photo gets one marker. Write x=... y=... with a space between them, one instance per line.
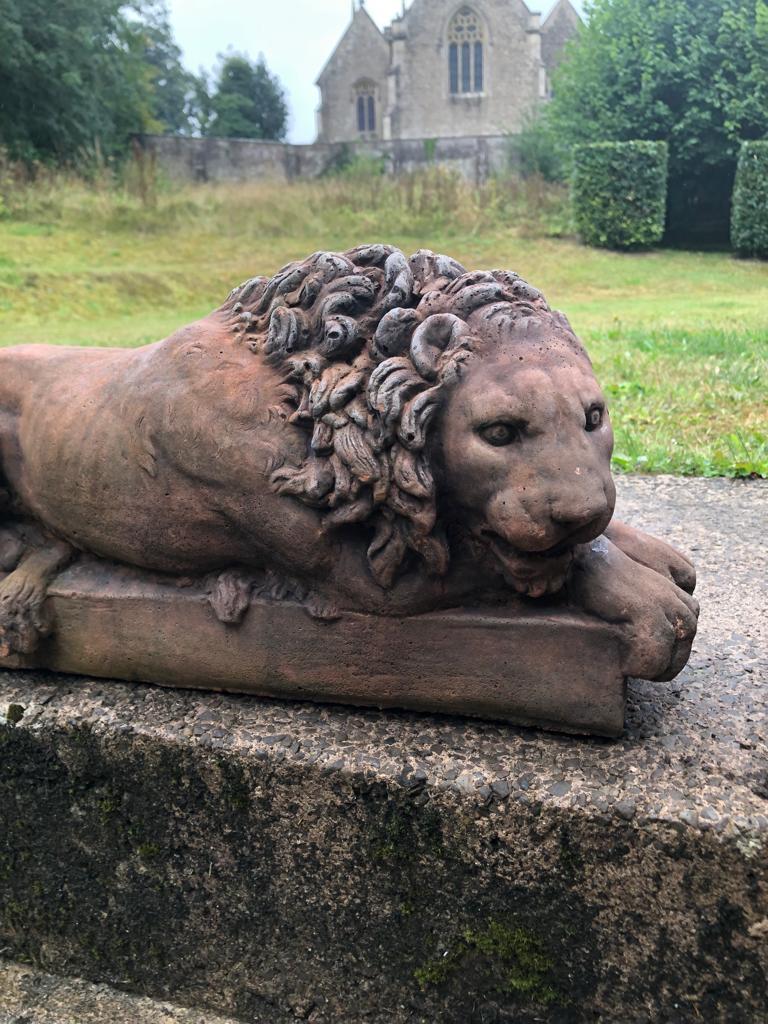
x=693 y=74
x=79 y=77
x=248 y=101
x=538 y=150
x=72 y=79
x=175 y=92
x=200 y=104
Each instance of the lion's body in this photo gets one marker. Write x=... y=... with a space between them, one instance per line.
x=394 y=435
x=117 y=451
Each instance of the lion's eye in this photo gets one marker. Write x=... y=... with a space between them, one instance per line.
x=500 y=434
x=594 y=417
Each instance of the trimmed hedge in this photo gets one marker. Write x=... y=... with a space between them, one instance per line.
x=619 y=192
x=749 y=211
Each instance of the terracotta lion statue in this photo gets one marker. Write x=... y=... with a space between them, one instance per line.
x=367 y=431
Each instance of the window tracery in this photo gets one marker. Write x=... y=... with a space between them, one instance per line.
x=365 y=107
x=466 y=57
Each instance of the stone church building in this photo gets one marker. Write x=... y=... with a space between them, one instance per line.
x=442 y=69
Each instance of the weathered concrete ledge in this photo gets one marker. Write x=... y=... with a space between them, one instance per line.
x=28 y=996
x=281 y=862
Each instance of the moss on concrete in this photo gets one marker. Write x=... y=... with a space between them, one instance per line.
x=14 y=714
x=400 y=831
x=512 y=960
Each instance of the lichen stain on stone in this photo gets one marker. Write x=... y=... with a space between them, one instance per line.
x=401 y=832
x=502 y=959
x=14 y=714
x=108 y=807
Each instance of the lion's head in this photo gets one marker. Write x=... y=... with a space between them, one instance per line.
x=434 y=401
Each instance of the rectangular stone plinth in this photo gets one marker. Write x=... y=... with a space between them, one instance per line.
x=552 y=668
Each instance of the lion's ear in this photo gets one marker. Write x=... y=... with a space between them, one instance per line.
x=439 y=334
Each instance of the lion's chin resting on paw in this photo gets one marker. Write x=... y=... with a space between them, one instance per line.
x=364 y=432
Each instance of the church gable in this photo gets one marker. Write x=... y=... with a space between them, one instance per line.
x=443 y=69
x=562 y=24
x=362 y=35
x=353 y=84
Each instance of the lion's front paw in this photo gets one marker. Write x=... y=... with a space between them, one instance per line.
x=23 y=616
x=660 y=630
x=657 y=618
x=654 y=554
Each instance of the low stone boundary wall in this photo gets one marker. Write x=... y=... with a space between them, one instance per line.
x=182 y=158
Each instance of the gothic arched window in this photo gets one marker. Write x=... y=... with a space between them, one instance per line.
x=365 y=107
x=466 y=70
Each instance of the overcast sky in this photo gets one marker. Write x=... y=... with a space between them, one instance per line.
x=295 y=36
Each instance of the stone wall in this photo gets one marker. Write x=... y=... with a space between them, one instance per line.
x=187 y=159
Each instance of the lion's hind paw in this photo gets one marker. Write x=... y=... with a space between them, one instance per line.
x=321 y=609
x=230 y=596
x=24 y=619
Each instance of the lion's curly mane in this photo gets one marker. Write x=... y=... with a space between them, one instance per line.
x=369 y=341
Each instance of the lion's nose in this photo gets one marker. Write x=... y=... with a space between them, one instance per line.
x=577 y=518
x=586 y=520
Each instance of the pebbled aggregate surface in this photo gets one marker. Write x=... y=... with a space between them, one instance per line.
x=28 y=996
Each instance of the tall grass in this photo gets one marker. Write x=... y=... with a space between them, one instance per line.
x=679 y=339
x=141 y=199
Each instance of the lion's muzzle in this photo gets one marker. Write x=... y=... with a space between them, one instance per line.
x=535 y=559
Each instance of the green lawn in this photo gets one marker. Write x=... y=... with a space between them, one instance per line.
x=679 y=339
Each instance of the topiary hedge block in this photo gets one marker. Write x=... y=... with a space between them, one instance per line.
x=749 y=212
x=619 y=192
